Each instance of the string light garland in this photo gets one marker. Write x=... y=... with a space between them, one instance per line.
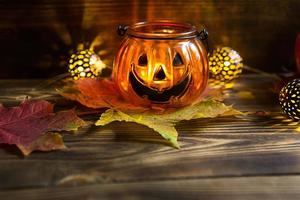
x=225 y=64
x=85 y=64
x=289 y=99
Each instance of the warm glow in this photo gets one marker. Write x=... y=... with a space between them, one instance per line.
x=167 y=31
x=85 y=64
x=226 y=63
x=174 y=70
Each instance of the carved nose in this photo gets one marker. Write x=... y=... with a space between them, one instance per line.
x=159 y=74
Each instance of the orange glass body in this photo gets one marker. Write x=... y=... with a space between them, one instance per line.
x=161 y=63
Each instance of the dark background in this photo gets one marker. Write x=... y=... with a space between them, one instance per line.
x=37 y=37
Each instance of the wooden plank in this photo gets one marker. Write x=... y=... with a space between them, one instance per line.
x=126 y=152
x=246 y=188
x=104 y=157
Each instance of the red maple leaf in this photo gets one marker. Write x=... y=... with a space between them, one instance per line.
x=96 y=93
x=25 y=124
x=102 y=93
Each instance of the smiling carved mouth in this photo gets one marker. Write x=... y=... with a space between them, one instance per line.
x=155 y=96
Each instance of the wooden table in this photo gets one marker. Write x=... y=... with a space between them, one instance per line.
x=254 y=157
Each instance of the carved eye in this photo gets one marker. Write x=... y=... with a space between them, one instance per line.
x=143 y=61
x=177 y=60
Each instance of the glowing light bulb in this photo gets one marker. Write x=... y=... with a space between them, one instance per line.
x=85 y=64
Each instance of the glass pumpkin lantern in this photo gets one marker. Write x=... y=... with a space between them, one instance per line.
x=162 y=63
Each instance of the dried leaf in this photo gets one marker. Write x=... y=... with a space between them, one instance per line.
x=26 y=123
x=212 y=92
x=47 y=142
x=96 y=93
x=203 y=109
x=102 y=93
x=164 y=124
x=64 y=121
x=160 y=125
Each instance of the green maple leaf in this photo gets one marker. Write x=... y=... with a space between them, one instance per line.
x=165 y=123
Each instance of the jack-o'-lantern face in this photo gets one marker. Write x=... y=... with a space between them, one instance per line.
x=162 y=72
x=159 y=76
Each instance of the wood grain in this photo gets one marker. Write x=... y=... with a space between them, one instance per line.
x=251 y=157
x=234 y=188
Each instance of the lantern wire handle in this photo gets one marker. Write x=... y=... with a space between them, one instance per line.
x=121 y=30
x=203 y=35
